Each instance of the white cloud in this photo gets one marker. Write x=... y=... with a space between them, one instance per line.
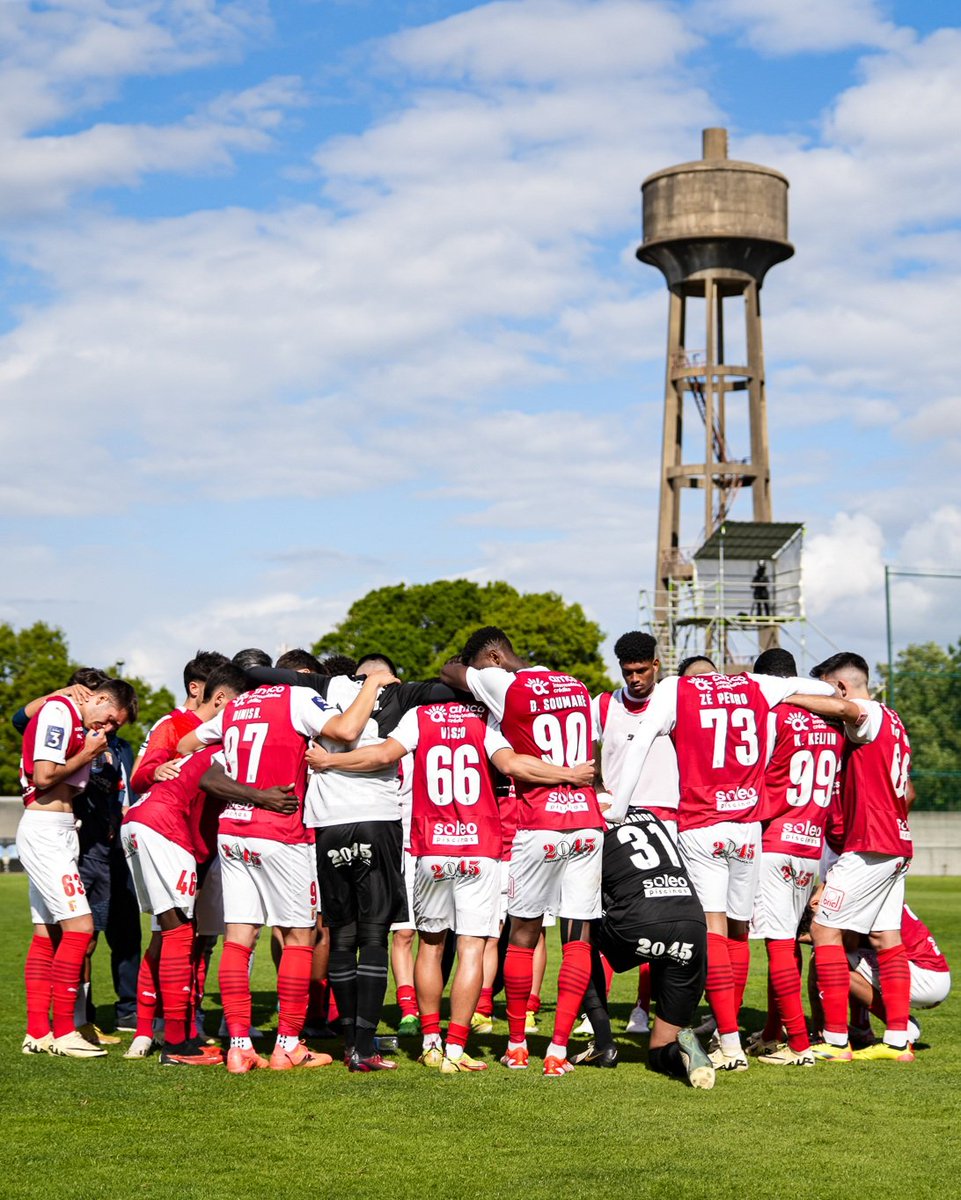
x=784 y=27
x=545 y=41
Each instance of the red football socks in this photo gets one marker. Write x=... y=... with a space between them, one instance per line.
x=643 y=987
x=834 y=980
x=38 y=978
x=293 y=989
x=457 y=1034
x=518 y=978
x=430 y=1024
x=572 y=981
x=719 y=987
x=67 y=970
x=533 y=1000
x=235 y=988
x=176 y=980
x=485 y=1004
x=148 y=989
x=894 y=975
x=739 y=952
x=785 y=981
x=407 y=1000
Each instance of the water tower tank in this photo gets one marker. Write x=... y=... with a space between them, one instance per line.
x=715 y=214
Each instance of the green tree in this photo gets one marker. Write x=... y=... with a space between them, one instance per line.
x=36 y=661
x=927 y=696
x=420 y=626
x=33 y=662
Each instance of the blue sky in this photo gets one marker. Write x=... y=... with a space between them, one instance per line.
x=298 y=300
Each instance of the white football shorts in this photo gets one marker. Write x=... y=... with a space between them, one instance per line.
x=864 y=892
x=49 y=847
x=723 y=863
x=554 y=871
x=164 y=874
x=928 y=988
x=785 y=884
x=458 y=893
x=268 y=883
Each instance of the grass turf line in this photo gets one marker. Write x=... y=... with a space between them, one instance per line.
x=111 y=1128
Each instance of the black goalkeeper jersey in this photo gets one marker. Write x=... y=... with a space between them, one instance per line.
x=644 y=881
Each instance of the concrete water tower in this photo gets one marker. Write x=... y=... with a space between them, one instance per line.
x=714 y=228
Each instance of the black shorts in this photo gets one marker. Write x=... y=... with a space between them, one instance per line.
x=94 y=871
x=361 y=874
x=677 y=952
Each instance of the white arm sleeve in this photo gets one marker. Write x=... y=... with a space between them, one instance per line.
x=659 y=717
x=775 y=689
x=52 y=734
x=868 y=730
x=407 y=731
x=494 y=740
x=489 y=685
x=309 y=712
x=212 y=731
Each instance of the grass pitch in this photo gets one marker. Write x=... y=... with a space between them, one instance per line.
x=111 y=1128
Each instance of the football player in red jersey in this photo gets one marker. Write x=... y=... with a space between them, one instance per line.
x=457 y=841
x=160 y=763
x=59 y=745
x=864 y=890
x=556 y=856
x=168 y=837
x=719 y=727
x=268 y=859
x=160 y=746
x=800 y=783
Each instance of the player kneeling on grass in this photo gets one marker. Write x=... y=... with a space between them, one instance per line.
x=59 y=746
x=651 y=915
x=454 y=807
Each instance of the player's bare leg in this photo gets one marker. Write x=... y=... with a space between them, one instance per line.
x=429 y=982
x=465 y=992
x=518 y=985
x=402 y=966
x=483 y=1018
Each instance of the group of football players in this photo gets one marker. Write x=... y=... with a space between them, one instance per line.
x=661 y=826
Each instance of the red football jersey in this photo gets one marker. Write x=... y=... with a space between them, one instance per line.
x=161 y=746
x=548 y=715
x=454 y=808
x=720 y=736
x=179 y=810
x=920 y=946
x=800 y=782
x=873 y=784
x=263 y=749
x=58 y=727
